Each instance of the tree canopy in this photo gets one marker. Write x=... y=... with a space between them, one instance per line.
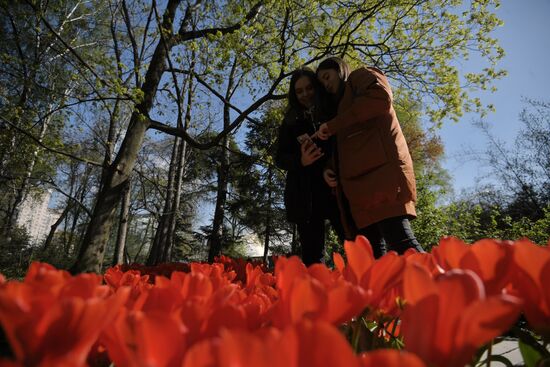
x=120 y=70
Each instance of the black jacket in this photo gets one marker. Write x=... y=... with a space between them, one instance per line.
x=305 y=187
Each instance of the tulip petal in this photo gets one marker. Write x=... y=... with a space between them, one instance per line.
x=390 y=358
x=449 y=252
x=492 y=260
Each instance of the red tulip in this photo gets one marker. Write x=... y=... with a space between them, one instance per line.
x=57 y=328
x=344 y=299
x=448 y=318
x=140 y=339
x=215 y=272
x=390 y=358
x=315 y=293
x=45 y=278
x=139 y=284
x=255 y=276
x=206 y=301
x=530 y=277
x=377 y=278
x=318 y=344
x=360 y=259
x=312 y=344
x=381 y=284
x=300 y=295
x=426 y=260
x=449 y=252
x=490 y=259
x=7 y=363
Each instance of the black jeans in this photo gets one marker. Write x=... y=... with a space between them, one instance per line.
x=395 y=233
x=312 y=233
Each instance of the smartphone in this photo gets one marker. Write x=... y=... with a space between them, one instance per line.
x=304 y=137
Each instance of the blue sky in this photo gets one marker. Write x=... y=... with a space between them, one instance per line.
x=525 y=37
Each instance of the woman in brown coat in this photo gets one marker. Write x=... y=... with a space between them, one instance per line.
x=373 y=166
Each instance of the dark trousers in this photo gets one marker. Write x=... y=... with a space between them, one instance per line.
x=394 y=234
x=312 y=233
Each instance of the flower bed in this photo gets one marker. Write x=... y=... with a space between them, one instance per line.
x=437 y=309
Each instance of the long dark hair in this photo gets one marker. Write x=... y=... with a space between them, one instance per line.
x=297 y=74
x=335 y=63
x=321 y=110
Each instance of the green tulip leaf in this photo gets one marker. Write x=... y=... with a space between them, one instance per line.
x=530 y=355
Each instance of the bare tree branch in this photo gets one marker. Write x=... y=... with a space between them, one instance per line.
x=190 y=35
x=62 y=40
x=223 y=99
x=50 y=149
x=157 y=125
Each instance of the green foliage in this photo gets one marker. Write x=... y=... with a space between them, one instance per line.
x=474 y=221
x=530 y=355
x=415 y=45
x=15 y=253
x=517 y=208
x=424 y=145
x=429 y=226
x=518 y=204
x=537 y=231
x=37 y=81
x=56 y=254
x=332 y=245
x=261 y=184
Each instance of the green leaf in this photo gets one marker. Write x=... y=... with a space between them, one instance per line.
x=530 y=355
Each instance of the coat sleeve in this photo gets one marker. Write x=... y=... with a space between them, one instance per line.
x=372 y=97
x=285 y=155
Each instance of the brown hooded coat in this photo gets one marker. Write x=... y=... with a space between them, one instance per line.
x=375 y=168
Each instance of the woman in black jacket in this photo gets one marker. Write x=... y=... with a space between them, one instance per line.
x=308 y=199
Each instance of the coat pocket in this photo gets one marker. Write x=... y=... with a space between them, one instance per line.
x=360 y=151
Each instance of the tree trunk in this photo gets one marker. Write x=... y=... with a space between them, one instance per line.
x=267 y=237
x=173 y=215
x=167 y=255
x=293 y=243
x=110 y=151
x=81 y=191
x=215 y=245
x=118 y=256
x=54 y=226
x=159 y=243
x=268 y=217
x=144 y=240
x=92 y=250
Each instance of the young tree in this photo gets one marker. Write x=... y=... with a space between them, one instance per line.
x=261 y=202
x=36 y=79
x=523 y=169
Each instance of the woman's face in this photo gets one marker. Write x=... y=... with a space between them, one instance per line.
x=305 y=91
x=330 y=80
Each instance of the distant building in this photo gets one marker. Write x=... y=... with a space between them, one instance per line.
x=36 y=217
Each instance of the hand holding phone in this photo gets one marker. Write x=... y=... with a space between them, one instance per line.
x=309 y=150
x=303 y=138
